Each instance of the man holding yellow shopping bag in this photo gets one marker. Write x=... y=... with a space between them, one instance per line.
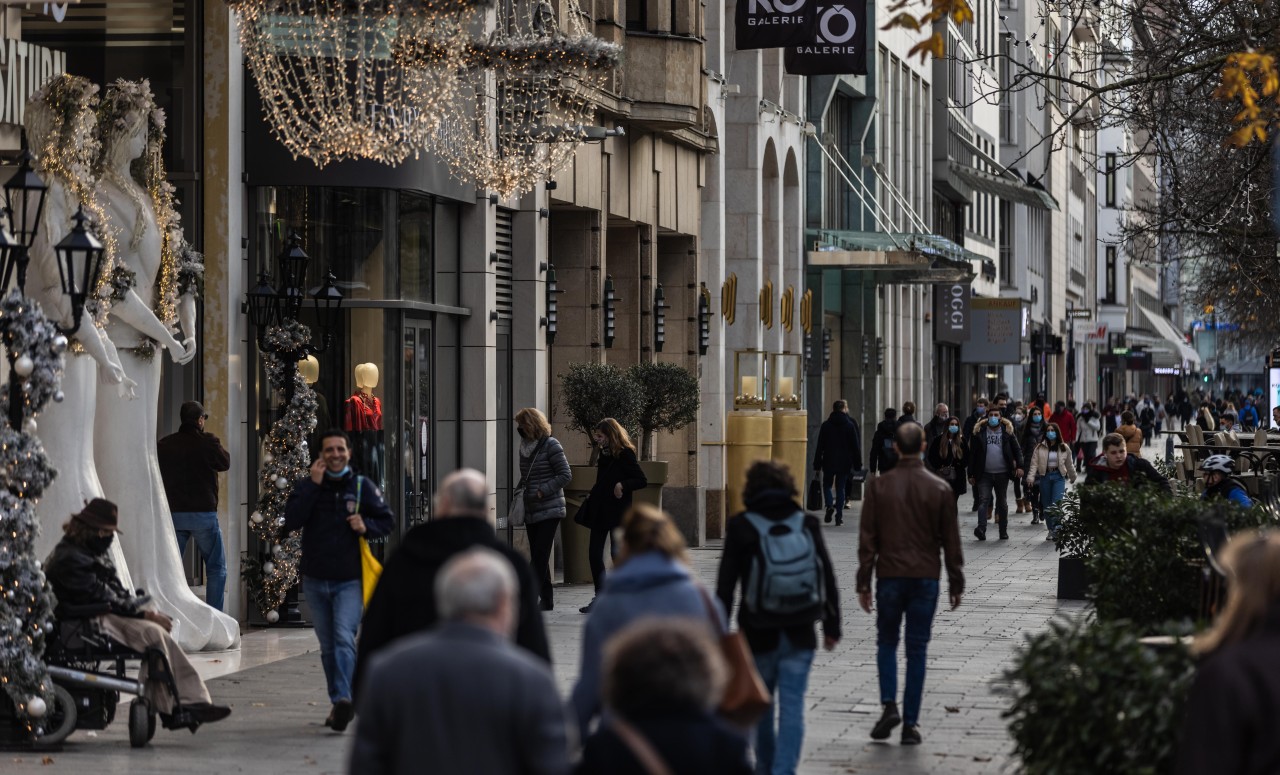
x=336 y=509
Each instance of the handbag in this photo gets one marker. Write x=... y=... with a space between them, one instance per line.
x=583 y=515
x=516 y=511
x=815 y=493
x=745 y=697
x=370 y=568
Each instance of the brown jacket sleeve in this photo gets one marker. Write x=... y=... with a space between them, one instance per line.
x=869 y=537
x=952 y=555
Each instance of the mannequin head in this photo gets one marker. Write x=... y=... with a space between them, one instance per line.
x=366 y=376
x=309 y=368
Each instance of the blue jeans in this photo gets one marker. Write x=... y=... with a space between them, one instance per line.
x=1052 y=487
x=785 y=671
x=840 y=484
x=203 y=526
x=917 y=599
x=336 y=607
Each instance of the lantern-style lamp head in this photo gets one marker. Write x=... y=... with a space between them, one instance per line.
x=293 y=273
x=328 y=301
x=24 y=197
x=10 y=252
x=262 y=303
x=79 y=262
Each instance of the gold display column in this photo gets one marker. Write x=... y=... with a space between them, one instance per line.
x=791 y=442
x=748 y=438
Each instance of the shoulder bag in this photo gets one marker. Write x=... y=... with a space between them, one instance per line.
x=646 y=755
x=745 y=697
x=370 y=568
x=516 y=511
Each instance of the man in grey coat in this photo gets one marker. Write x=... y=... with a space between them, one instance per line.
x=462 y=699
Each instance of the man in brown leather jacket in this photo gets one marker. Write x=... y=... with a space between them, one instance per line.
x=908 y=516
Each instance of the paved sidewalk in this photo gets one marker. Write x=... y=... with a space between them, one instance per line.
x=276 y=726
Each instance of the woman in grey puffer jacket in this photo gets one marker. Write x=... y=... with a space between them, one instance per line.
x=544 y=481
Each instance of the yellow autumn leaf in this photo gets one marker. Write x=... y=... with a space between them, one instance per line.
x=904 y=20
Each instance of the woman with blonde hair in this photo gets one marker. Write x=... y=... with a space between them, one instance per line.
x=1230 y=724
x=618 y=475
x=651 y=579
x=544 y=472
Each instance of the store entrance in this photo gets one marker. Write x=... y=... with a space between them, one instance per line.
x=418 y=466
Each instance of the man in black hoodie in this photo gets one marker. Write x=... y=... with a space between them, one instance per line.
x=882 y=455
x=404 y=601
x=839 y=451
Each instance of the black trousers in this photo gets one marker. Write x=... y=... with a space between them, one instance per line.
x=595 y=554
x=542 y=537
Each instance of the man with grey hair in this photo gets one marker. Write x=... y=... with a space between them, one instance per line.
x=461 y=697
x=937 y=425
x=403 y=602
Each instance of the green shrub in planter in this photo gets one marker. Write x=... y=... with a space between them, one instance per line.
x=590 y=392
x=669 y=398
x=1089 y=698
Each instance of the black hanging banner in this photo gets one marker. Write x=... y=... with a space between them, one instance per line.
x=771 y=23
x=834 y=43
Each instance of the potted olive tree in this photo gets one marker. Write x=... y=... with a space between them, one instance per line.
x=668 y=401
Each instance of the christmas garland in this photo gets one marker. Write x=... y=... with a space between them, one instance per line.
x=285 y=459
x=26 y=614
x=190 y=271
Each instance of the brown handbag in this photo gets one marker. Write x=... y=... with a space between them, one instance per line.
x=745 y=697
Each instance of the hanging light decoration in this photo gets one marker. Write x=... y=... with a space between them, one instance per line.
x=331 y=72
x=526 y=97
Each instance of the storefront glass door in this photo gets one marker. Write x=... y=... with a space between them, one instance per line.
x=416 y=425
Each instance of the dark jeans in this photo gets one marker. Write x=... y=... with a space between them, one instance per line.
x=993 y=489
x=542 y=537
x=595 y=554
x=841 y=487
x=916 y=599
x=1090 y=450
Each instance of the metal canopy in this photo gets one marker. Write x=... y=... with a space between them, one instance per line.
x=1167 y=332
x=1003 y=187
x=895 y=258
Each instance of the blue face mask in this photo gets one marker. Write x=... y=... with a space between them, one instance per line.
x=953 y=429
x=1035 y=418
x=982 y=410
x=1051 y=435
x=993 y=421
x=331 y=475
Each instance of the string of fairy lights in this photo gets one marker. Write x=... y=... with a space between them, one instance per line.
x=343 y=79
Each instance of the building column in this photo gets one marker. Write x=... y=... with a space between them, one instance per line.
x=576 y=251
x=477 y=287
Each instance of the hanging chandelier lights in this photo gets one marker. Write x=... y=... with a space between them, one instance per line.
x=330 y=73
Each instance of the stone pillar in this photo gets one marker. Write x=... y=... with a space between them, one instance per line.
x=478 y=355
x=576 y=243
x=685 y=494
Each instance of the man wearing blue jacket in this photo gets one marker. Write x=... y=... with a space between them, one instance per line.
x=335 y=507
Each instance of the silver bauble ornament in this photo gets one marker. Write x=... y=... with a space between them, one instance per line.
x=281 y=482
x=256 y=517
x=273 y=616
x=277 y=549
x=279 y=521
x=36 y=707
x=59 y=344
x=59 y=396
x=268 y=567
x=29 y=426
x=267 y=457
x=24 y=365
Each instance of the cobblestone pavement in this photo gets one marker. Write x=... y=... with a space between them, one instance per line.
x=276 y=727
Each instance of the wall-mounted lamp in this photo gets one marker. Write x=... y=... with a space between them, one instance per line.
x=659 y=318
x=704 y=320
x=552 y=317
x=826 y=349
x=879 y=355
x=610 y=312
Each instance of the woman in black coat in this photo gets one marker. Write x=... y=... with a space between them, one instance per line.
x=947 y=456
x=618 y=475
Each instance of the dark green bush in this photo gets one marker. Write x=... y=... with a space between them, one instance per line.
x=590 y=392
x=1089 y=698
x=669 y=400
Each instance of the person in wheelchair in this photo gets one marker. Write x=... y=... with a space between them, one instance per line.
x=81 y=575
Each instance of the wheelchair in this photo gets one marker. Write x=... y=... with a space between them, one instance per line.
x=90 y=671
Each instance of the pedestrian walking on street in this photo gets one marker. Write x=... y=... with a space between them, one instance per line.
x=1065 y=418
x=663 y=679
x=1090 y=428
x=404 y=602
x=971 y=423
x=838 y=454
x=544 y=473
x=882 y=457
x=948 y=456
x=618 y=475
x=908 y=517
x=81 y=574
x=1117 y=464
x=461 y=699
x=908 y=412
x=1131 y=432
x=938 y=425
x=1230 y=723
x=1031 y=435
x=994 y=458
x=777 y=554
x=335 y=507
x=1051 y=467
x=651 y=579
x=190 y=461
x=1147 y=420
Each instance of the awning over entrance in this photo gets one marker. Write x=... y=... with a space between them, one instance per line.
x=894 y=258
x=1003 y=186
x=1169 y=334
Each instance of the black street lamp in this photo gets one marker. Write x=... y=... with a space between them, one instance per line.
x=24 y=202
x=79 y=250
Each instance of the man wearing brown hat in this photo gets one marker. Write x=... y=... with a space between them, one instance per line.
x=190 y=461
x=81 y=575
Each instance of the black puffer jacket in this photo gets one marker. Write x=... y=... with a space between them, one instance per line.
x=79 y=578
x=883 y=458
x=544 y=483
x=624 y=469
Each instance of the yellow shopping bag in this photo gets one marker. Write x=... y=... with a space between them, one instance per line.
x=370 y=569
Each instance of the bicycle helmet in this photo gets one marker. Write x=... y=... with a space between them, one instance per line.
x=1221 y=463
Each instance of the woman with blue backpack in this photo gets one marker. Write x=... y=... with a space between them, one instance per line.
x=774 y=551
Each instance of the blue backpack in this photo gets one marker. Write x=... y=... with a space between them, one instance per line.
x=787 y=577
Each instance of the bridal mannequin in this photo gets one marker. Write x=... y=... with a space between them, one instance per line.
x=61 y=425
x=125 y=432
